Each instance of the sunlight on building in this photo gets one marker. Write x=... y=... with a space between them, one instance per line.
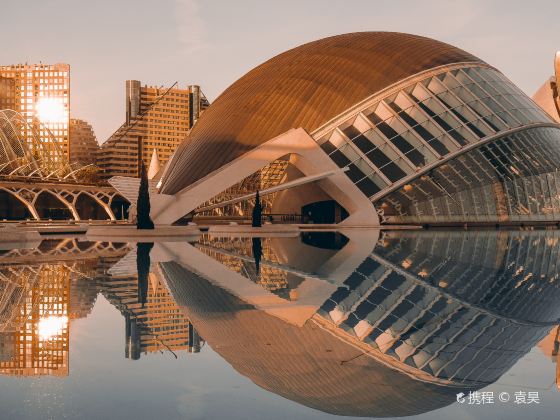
x=52 y=326
x=51 y=110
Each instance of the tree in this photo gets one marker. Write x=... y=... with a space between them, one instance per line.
x=257 y=254
x=257 y=212
x=143 y=267
x=90 y=174
x=143 y=220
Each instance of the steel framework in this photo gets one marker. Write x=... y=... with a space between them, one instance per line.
x=25 y=152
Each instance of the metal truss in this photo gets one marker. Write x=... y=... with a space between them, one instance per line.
x=30 y=150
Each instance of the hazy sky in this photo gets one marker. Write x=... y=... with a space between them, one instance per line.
x=214 y=42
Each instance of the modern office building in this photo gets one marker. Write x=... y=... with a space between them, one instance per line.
x=34 y=326
x=377 y=127
x=157 y=119
x=83 y=143
x=157 y=324
x=7 y=93
x=42 y=95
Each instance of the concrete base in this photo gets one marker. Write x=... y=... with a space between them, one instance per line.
x=53 y=229
x=339 y=227
x=12 y=238
x=131 y=234
x=245 y=231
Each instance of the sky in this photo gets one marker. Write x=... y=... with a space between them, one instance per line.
x=214 y=42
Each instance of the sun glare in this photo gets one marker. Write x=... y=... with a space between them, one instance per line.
x=51 y=110
x=51 y=326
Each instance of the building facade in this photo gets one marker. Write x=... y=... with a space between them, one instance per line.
x=7 y=93
x=83 y=143
x=42 y=96
x=153 y=321
x=157 y=119
x=34 y=336
x=547 y=95
x=421 y=132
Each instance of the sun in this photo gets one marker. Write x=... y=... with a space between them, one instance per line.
x=51 y=110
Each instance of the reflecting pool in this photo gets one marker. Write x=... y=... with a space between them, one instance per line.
x=428 y=324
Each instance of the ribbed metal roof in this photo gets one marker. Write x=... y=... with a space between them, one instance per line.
x=303 y=87
x=302 y=364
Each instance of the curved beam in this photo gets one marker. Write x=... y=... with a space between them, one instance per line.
x=72 y=209
x=26 y=203
x=446 y=158
x=103 y=205
x=310 y=159
x=72 y=173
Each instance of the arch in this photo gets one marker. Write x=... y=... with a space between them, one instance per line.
x=12 y=207
x=26 y=203
x=89 y=206
x=51 y=206
x=308 y=158
x=119 y=207
x=323 y=212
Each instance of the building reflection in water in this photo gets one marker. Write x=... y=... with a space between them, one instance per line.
x=550 y=345
x=34 y=320
x=418 y=317
x=365 y=323
x=42 y=290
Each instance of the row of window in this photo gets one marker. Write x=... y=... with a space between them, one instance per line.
x=424 y=329
x=513 y=178
x=425 y=121
x=510 y=274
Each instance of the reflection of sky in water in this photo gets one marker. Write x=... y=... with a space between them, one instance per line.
x=103 y=383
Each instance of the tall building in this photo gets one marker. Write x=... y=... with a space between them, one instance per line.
x=83 y=143
x=157 y=324
x=42 y=94
x=34 y=338
x=157 y=119
x=7 y=93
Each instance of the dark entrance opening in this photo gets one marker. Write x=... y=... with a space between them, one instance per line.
x=50 y=207
x=11 y=208
x=119 y=206
x=325 y=240
x=88 y=208
x=323 y=212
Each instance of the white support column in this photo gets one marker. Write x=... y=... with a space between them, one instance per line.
x=310 y=160
x=312 y=292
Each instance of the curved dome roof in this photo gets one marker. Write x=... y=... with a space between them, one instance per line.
x=303 y=87
x=302 y=364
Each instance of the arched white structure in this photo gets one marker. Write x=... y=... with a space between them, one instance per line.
x=24 y=152
x=308 y=158
x=67 y=194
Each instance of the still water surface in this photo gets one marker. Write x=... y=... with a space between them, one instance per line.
x=322 y=325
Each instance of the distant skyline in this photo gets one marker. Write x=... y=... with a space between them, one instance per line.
x=213 y=43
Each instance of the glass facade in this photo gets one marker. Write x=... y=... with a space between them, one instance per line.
x=512 y=179
x=42 y=96
x=396 y=136
x=459 y=307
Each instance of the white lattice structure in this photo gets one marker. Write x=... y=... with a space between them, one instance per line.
x=29 y=155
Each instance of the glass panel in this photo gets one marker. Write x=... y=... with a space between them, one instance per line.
x=510 y=177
